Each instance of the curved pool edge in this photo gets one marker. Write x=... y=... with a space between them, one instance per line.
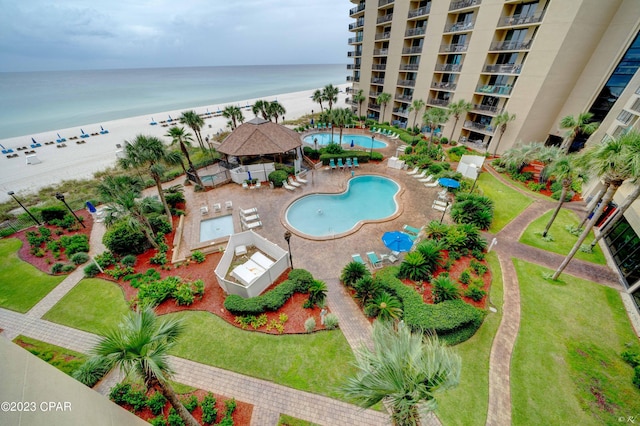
x=386 y=141
x=357 y=226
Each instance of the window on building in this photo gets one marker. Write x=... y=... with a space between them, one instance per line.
x=624 y=244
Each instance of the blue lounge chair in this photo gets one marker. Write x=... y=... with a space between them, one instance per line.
x=373 y=259
x=411 y=229
x=332 y=164
x=355 y=162
x=357 y=258
x=348 y=162
x=340 y=163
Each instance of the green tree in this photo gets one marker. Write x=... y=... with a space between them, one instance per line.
x=140 y=346
x=352 y=272
x=195 y=122
x=342 y=117
x=456 y=109
x=148 y=152
x=234 y=114
x=330 y=94
x=500 y=122
x=434 y=117
x=404 y=369
x=260 y=107
x=565 y=171
x=317 y=97
x=416 y=106
x=276 y=110
x=184 y=139
x=359 y=98
x=575 y=126
x=383 y=99
x=384 y=307
x=611 y=161
x=329 y=117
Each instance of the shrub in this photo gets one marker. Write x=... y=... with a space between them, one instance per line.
x=414 y=267
x=331 y=321
x=121 y=239
x=385 y=307
x=129 y=260
x=119 y=271
x=636 y=377
x=474 y=239
x=156 y=403
x=352 y=272
x=376 y=156
x=478 y=267
x=158 y=421
x=302 y=279
x=154 y=293
x=190 y=403
x=334 y=148
x=119 y=392
x=465 y=277
x=436 y=230
x=631 y=357
x=475 y=293
x=277 y=177
x=317 y=292
x=68 y=267
x=556 y=195
x=105 y=259
x=183 y=294
x=136 y=399
x=91 y=270
x=367 y=289
x=198 y=288
x=173 y=198
x=67 y=222
x=536 y=186
x=431 y=252
x=52 y=213
x=57 y=268
x=74 y=244
x=159 y=223
x=173 y=419
x=80 y=258
x=473 y=209
x=159 y=258
x=91 y=371
x=209 y=411
x=197 y=256
x=310 y=324
x=444 y=289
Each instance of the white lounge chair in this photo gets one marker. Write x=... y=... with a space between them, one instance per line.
x=432 y=184
x=414 y=171
x=427 y=179
x=251 y=218
x=421 y=175
x=258 y=185
x=245 y=185
x=301 y=180
x=285 y=185
x=251 y=225
x=204 y=210
x=228 y=205
x=217 y=207
x=293 y=182
x=247 y=212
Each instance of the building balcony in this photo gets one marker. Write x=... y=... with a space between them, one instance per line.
x=401 y=111
x=404 y=98
x=373 y=106
x=383 y=36
x=354 y=53
x=449 y=67
x=459 y=26
x=379 y=67
x=352 y=78
x=454 y=47
x=509 y=21
x=353 y=66
x=487 y=109
x=385 y=18
x=357 y=9
x=359 y=23
x=377 y=80
x=409 y=67
x=373 y=94
x=496 y=90
x=484 y=128
x=411 y=50
x=511 y=45
x=421 y=11
x=444 y=85
x=380 y=52
x=384 y=2
x=635 y=106
x=354 y=40
x=455 y=5
x=412 y=32
x=409 y=83
x=503 y=69
x=438 y=102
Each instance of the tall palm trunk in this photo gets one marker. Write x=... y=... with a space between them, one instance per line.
x=167 y=210
x=618 y=214
x=455 y=124
x=185 y=152
x=146 y=229
x=495 y=151
x=597 y=198
x=170 y=394
x=608 y=196
x=563 y=194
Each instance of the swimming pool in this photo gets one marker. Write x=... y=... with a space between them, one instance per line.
x=359 y=140
x=216 y=228
x=367 y=197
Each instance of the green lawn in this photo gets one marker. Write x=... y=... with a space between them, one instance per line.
x=508 y=203
x=93 y=305
x=316 y=362
x=468 y=403
x=292 y=421
x=566 y=366
x=22 y=285
x=63 y=359
x=563 y=241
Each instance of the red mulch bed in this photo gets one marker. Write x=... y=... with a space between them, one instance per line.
x=535 y=168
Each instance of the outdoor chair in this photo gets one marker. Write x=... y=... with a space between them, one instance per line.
x=427 y=179
x=301 y=180
x=340 y=163
x=348 y=162
x=421 y=174
x=228 y=205
x=355 y=162
x=247 y=212
x=286 y=186
x=217 y=207
x=251 y=225
x=373 y=259
x=411 y=229
x=414 y=171
x=293 y=182
x=357 y=258
x=332 y=164
x=431 y=185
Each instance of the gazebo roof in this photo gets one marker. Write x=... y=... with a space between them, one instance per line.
x=260 y=137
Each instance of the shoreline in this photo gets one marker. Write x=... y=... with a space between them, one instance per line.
x=97 y=152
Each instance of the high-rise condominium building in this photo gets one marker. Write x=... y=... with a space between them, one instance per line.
x=537 y=61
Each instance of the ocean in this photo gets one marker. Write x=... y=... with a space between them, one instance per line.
x=34 y=102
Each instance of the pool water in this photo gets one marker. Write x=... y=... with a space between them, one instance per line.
x=324 y=215
x=215 y=228
x=359 y=140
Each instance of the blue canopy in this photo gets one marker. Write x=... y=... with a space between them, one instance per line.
x=449 y=183
x=397 y=241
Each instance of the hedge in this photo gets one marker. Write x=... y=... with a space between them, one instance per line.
x=363 y=157
x=298 y=281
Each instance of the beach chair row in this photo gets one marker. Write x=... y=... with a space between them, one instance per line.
x=428 y=181
x=250 y=218
x=291 y=184
x=217 y=207
x=374 y=260
x=349 y=163
x=385 y=132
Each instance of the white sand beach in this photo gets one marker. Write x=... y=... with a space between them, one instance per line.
x=98 y=152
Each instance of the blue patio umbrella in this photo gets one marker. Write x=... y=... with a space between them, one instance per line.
x=33 y=140
x=449 y=183
x=249 y=173
x=90 y=207
x=351 y=143
x=397 y=241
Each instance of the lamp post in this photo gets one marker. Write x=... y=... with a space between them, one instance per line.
x=60 y=197
x=25 y=209
x=371 y=150
x=444 y=211
x=287 y=237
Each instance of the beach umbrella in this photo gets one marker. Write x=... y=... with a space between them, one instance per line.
x=33 y=140
x=90 y=207
x=82 y=131
x=249 y=173
x=397 y=241
x=170 y=119
x=449 y=183
x=351 y=143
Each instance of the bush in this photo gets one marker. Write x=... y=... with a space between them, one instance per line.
x=331 y=321
x=353 y=272
x=376 y=156
x=91 y=270
x=57 y=268
x=158 y=421
x=159 y=258
x=465 y=277
x=173 y=419
x=414 y=267
x=156 y=403
x=334 y=148
x=80 y=258
x=631 y=357
x=310 y=324
x=556 y=196
x=52 y=213
x=277 y=177
x=129 y=260
x=209 y=411
x=475 y=293
x=302 y=279
x=367 y=289
x=636 y=377
x=119 y=392
x=121 y=239
x=68 y=267
x=431 y=251
x=74 y=244
x=478 y=267
x=444 y=289
x=183 y=294
x=136 y=399
x=474 y=209
x=68 y=221
x=536 y=186
x=159 y=223
x=317 y=293
x=197 y=256
x=190 y=403
x=91 y=371
x=105 y=259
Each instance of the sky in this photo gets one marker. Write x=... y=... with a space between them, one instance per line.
x=45 y=35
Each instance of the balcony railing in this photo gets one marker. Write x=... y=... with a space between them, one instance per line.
x=384 y=2
x=497 y=90
x=380 y=52
x=412 y=50
x=414 y=13
x=521 y=19
x=373 y=106
x=454 y=47
x=377 y=80
x=409 y=67
x=412 y=32
x=455 y=5
x=357 y=9
x=354 y=53
x=503 y=68
x=373 y=94
x=353 y=40
x=448 y=85
x=353 y=78
x=438 y=102
x=401 y=111
x=353 y=66
x=449 y=67
x=478 y=126
x=379 y=67
x=403 y=98
x=459 y=26
x=410 y=83
x=511 y=45
x=359 y=23
x=636 y=105
x=384 y=18
x=382 y=36
x=487 y=109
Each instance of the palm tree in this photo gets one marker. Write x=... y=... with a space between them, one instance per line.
x=403 y=370
x=456 y=109
x=359 y=98
x=140 y=346
x=275 y=110
x=612 y=163
x=148 y=152
x=576 y=125
x=193 y=120
x=330 y=94
x=383 y=99
x=500 y=122
x=566 y=172
x=260 y=107
x=416 y=106
x=342 y=117
x=329 y=117
x=184 y=139
x=434 y=117
x=234 y=114
x=317 y=97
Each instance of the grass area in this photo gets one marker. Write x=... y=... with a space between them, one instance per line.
x=566 y=366
x=93 y=305
x=292 y=421
x=508 y=202
x=315 y=362
x=468 y=403
x=563 y=241
x=63 y=359
x=22 y=284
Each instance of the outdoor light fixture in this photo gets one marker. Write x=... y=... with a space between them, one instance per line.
x=287 y=237
x=371 y=150
x=25 y=209
x=444 y=211
x=60 y=197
